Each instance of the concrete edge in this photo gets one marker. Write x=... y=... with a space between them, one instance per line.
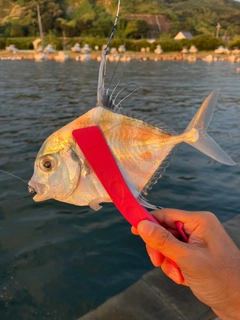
x=155 y=297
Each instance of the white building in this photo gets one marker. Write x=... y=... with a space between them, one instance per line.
x=183 y=35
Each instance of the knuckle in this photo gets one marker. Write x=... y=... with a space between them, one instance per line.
x=209 y=216
x=165 y=239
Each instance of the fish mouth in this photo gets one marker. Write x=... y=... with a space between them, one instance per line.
x=38 y=188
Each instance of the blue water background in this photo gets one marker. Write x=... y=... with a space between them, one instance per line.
x=59 y=261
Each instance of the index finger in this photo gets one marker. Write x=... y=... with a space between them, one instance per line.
x=193 y=221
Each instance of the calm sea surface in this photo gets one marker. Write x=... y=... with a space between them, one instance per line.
x=59 y=261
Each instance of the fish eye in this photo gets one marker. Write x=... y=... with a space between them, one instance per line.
x=48 y=163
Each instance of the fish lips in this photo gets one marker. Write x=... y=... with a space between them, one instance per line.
x=39 y=188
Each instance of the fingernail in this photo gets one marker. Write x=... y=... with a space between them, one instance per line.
x=145 y=227
x=151 y=257
x=154 y=260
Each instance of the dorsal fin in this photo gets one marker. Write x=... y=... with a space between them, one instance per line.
x=103 y=97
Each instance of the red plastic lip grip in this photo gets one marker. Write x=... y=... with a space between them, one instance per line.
x=93 y=145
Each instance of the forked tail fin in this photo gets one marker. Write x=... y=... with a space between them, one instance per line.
x=198 y=137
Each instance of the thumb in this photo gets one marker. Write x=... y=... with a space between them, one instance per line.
x=162 y=240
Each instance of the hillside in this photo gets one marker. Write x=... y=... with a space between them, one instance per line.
x=94 y=17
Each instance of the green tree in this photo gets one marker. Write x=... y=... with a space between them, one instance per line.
x=102 y=26
x=83 y=27
x=69 y=27
x=235 y=43
x=17 y=30
x=207 y=42
x=136 y=29
x=84 y=11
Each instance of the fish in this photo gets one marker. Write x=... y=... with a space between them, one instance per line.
x=141 y=150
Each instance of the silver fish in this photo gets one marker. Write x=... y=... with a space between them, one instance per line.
x=61 y=171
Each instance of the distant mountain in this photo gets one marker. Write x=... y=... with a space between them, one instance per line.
x=95 y=17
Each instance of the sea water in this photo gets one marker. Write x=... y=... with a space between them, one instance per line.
x=59 y=261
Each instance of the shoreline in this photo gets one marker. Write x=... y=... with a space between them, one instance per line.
x=96 y=55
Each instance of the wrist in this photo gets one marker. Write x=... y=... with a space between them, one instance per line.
x=233 y=314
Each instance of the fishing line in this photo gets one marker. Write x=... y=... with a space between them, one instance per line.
x=13 y=175
x=102 y=70
x=107 y=49
x=113 y=28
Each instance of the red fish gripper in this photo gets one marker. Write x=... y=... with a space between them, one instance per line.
x=98 y=154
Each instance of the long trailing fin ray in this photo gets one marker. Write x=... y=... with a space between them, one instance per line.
x=114 y=89
x=127 y=96
x=101 y=92
x=121 y=90
x=114 y=72
x=199 y=125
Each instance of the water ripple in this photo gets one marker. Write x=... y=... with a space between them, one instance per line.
x=59 y=261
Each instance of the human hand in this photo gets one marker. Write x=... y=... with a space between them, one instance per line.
x=209 y=263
